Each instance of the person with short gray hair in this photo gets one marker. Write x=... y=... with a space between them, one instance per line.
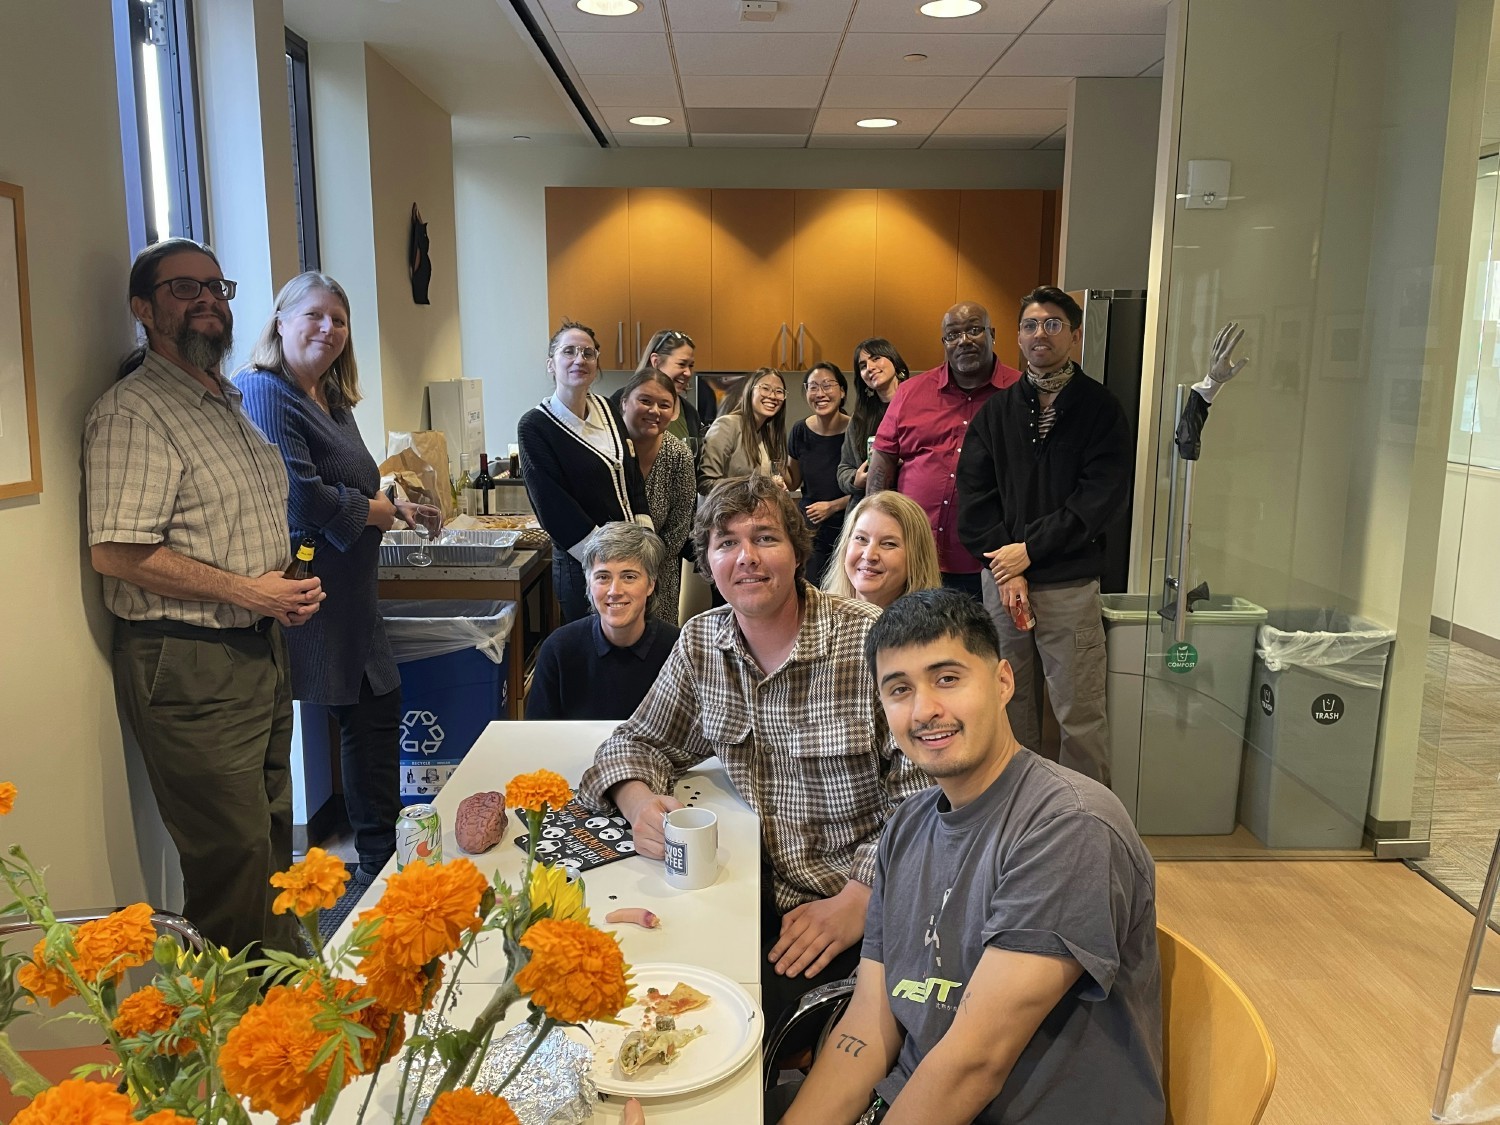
x=601 y=667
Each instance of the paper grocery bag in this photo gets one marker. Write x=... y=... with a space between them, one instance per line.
x=411 y=458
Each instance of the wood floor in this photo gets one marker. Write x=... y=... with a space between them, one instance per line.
x=1353 y=967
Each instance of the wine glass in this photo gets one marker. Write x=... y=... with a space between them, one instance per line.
x=421 y=556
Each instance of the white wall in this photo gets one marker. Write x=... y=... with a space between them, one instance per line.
x=502 y=266
x=1465 y=591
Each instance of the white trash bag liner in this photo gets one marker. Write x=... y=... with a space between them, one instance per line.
x=417 y=632
x=1339 y=646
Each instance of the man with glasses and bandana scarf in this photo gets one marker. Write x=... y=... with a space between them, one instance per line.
x=187 y=525
x=1045 y=470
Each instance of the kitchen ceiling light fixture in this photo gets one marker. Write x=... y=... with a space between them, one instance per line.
x=651 y=121
x=609 y=7
x=877 y=122
x=950 y=9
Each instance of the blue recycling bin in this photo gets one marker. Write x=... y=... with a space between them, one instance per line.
x=455 y=676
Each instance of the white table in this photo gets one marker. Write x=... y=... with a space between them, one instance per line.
x=717 y=928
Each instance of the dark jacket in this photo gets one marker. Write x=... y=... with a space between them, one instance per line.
x=1057 y=496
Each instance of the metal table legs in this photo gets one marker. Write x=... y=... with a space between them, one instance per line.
x=1466 y=985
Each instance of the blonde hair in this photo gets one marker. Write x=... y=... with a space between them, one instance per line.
x=922 y=571
x=771 y=436
x=340 y=383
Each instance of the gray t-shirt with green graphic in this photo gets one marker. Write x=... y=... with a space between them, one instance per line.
x=1045 y=861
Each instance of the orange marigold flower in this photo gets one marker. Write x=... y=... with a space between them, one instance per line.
x=78 y=1102
x=105 y=948
x=377 y=1017
x=165 y=1117
x=266 y=1056
x=146 y=1012
x=43 y=980
x=425 y=910
x=530 y=791
x=395 y=986
x=464 y=1107
x=7 y=797
x=576 y=973
x=313 y=884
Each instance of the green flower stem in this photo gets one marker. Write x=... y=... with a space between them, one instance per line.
x=548 y=1023
x=25 y=1081
x=484 y=1026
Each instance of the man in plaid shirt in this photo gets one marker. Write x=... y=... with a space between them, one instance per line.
x=775 y=684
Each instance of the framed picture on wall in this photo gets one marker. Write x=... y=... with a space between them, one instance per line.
x=20 y=442
x=1339 y=349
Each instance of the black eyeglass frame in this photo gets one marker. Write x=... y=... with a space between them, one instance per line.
x=213 y=285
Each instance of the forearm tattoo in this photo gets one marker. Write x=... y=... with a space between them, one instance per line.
x=851 y=1045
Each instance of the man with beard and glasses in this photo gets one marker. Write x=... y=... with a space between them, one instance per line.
x=187 y=524
x=920 y=438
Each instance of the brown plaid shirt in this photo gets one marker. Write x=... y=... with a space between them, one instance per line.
x=807 y=746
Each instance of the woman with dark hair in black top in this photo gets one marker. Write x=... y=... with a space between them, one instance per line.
x=577 y=461
x=878 y=371
x=813 y=451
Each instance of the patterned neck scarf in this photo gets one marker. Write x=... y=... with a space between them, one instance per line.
x=1049 y=384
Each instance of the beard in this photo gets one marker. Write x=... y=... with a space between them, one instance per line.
x=199 y=348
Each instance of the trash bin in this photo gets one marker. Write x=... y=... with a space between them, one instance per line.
x=1314 y=720
x=455 y=672
x=1176 y=734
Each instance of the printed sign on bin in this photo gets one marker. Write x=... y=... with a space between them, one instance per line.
x=1181 y=658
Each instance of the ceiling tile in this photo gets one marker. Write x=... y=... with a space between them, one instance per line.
x=618 y=118
x=922 y=121
x=784 y=91
x=749 y=140
x=655 y=139
x=951 y=140
x=751 y=120
x=1155 y=70
x=1004 y=122
x=902 y=15
x=634 y=89
x=598 y=53
x=946 y=54
x=1103 y=17
x=791 y=15
x=754 y=53
x=1019 y=93
x=867 y=139
x=565 y=16
x=859 y=90
x=1121 y=56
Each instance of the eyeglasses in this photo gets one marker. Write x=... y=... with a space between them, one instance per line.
x=187 y=288
x=671 y=339
x=1051 y=326
x=972 y=332
x=770 y=392
x=572 y=351
x=828 y=387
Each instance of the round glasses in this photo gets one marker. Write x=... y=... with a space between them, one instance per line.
x=1051 y=326
x=770 y=392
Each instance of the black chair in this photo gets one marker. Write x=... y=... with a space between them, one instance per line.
x=826 y=1002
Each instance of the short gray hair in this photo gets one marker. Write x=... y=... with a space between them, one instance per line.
x=620 y=540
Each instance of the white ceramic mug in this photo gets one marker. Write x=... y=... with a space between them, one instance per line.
x=692 y=847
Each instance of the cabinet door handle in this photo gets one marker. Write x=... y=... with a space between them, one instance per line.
x=801 y=334
x=781 y=346
x=638 y=338
x=620 y=344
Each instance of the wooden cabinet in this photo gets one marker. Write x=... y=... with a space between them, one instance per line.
x=588 y=264
x=916 y=271
x=671 y=237
x=1007 y=242
x=752 y=286
x=833 y=282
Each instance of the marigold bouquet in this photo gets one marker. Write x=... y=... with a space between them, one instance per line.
x=215 y=1037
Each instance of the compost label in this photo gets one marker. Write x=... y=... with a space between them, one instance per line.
x=1267 y=700
x=1181 y=658
x=1327 y=709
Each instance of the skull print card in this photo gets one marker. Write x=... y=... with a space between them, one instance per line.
x=579 y=839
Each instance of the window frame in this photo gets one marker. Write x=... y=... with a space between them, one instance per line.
x=299 y=92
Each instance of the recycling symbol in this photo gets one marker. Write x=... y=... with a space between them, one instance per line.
x=420 y=733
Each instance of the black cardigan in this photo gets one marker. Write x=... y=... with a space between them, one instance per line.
x=573 y=487
x=1057 y=496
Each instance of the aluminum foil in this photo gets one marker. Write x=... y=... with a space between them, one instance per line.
x=555 y=1087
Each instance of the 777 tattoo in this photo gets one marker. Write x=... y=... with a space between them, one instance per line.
x=850 y=1045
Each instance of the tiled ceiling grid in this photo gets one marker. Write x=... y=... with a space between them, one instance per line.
x=996 y=79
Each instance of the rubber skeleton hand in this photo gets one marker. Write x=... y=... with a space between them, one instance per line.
x=1221 y=369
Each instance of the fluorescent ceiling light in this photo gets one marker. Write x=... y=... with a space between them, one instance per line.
x=609 y=7
x=877 y=122
x=950 y=9
x=651 y=121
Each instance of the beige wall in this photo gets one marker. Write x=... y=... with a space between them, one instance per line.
x=59 y=139
x=502 y=216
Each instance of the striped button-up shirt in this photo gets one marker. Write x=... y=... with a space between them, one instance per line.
x=807 y=745
x=169 y=462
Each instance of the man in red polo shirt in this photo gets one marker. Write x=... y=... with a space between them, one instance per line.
x=918 y=443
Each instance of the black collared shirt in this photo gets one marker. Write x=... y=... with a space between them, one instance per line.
x=1056 y=495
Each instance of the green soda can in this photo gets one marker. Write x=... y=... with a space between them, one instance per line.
x=419 y=836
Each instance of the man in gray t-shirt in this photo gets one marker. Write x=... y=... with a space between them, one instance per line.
x=1009 y=971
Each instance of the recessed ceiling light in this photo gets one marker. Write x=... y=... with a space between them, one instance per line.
x=877 y=122
x=609 y=7
x=651 y=121
x=950 y=9
x=915 y=56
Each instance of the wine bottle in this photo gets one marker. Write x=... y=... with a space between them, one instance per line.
x=465 y=499
x=301 y=566
x=484 y=486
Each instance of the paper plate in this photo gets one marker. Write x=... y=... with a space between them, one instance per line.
x=732 y=1026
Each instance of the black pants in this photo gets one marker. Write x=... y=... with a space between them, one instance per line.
x=569 y=585
x=369 y=736
x=779 y=994
x=968 y=583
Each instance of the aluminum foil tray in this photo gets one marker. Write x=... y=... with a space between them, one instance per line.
x=452 y=548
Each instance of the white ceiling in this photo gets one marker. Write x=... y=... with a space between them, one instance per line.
x=997 y=79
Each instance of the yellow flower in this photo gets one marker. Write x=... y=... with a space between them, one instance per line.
x=313 y=884
x=464 y=1107
x=425 y=910
x=531 y=791
x=550 y=887
x=576 y=973
x=7 y=797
